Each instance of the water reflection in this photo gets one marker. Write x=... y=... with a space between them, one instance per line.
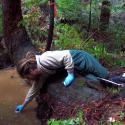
x=12 y=92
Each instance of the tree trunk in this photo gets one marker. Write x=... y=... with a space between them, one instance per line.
x=16 y=37
x=51 y=25
x=105 y=15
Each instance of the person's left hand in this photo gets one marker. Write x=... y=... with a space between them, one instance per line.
x=69 y=79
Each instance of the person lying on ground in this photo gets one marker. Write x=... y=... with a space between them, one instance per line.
x=39 y=67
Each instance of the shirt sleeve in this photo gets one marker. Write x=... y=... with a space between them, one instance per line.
x=36 y=86
x=68 y=63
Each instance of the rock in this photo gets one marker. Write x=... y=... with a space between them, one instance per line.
x=60 y=102
x=78 y=91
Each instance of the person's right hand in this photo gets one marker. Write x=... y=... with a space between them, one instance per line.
x=68 y=80
x=19 y=108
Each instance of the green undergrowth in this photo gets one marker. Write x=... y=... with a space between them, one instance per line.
x=78 y=120
x=67 y=37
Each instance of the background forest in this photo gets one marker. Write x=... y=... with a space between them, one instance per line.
x=77 y=26
x=96 y=26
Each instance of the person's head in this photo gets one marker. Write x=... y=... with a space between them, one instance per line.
x=27 y=67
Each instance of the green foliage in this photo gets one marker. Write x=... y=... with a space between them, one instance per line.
x=68 y=37
x=98 y=50
x=64 y=122
x=39 y=45
x=116 y=26
x=28 y=4
x=117 y=8
x=116 y=123
x=72 y=121
x=34 y=22
x=1 y=24
x=114 y=90
x=69 y=9
x=79 y=120
x=95 y=13
x=122 y=115
x=120 y=63
x=118 y=33
x=31 y=22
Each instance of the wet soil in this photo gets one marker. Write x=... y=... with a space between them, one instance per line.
x=12 y=93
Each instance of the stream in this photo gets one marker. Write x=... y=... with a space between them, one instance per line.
x=12 y=92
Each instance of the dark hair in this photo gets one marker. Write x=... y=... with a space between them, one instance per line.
x=25 y=65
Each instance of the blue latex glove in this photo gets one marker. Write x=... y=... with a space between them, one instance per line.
x=69 y=79
x=19 y=108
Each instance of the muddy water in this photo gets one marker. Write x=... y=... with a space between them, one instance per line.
x=12 y=93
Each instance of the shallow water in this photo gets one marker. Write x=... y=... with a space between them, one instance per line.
x=12 y=93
